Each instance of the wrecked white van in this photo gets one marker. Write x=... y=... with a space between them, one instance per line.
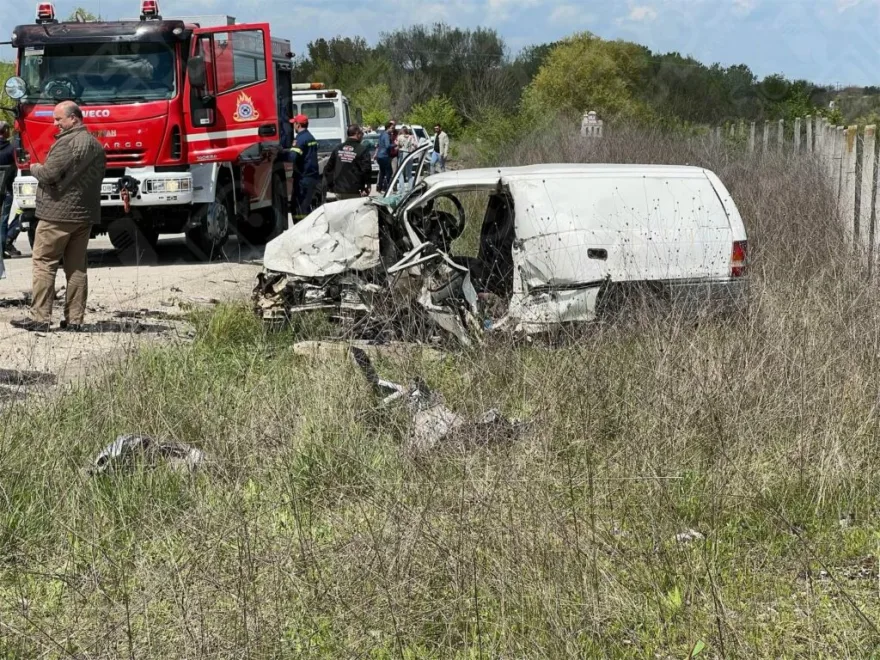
x=553 y=240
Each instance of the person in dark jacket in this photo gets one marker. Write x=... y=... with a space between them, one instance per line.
x=348 y=171
x=306 y=174
x=68 y=204
x=8 y=170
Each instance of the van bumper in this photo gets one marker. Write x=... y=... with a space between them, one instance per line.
x=727 y=294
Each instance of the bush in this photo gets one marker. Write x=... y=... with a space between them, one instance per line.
x=438 y=110
x=375 y=104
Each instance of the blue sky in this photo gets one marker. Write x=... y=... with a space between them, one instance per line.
x=826 y=41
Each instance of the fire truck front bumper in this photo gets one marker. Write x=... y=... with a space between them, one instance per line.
x=145 y=187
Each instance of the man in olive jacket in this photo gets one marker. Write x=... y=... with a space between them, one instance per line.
x=68 y=203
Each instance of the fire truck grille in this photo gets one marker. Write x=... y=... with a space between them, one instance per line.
x=117 y=157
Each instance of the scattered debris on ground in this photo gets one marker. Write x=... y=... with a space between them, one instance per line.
x=21 y=300
x=148 y=314
x=432 y=423
x=18 y=377
x=123 y=452
x=124 y=326
x=689 y=535
x=397 y=350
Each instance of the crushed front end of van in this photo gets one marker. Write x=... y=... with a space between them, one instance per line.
x=553 y=242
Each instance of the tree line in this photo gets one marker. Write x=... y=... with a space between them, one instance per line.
x=469 y=78
x=472 y=72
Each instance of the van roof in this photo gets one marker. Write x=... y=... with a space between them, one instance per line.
x=491 y=174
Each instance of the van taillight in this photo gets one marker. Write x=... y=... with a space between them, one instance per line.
x=175 y=143
x=738 y=258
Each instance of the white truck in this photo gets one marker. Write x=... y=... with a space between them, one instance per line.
x=329 y=112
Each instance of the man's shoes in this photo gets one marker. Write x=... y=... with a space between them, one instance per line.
x=11 y=249
x=70 y=327
x=30 y=325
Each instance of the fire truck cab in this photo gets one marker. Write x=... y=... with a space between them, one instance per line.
x=193 y=114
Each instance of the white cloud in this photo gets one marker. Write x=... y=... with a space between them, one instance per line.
x=642 y=14
x=745 y=7
x=571 y=15
x=503 y=10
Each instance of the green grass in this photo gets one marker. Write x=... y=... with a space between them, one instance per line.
x=313 y=534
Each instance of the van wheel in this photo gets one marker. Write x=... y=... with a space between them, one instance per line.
x=213 y=221
x=134 y=244
x=266 y=224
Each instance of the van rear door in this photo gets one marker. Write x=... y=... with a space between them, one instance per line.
x=627 y=226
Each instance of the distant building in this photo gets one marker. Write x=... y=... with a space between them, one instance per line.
x=591 y=125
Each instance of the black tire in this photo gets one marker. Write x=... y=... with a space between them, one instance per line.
x=266 y=224
x=214 y=222
x=134 y=244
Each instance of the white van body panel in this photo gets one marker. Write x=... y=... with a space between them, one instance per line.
x=574 y=232
x=581 y=226
x=671 y=226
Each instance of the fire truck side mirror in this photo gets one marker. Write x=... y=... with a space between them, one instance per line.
x=195 y=70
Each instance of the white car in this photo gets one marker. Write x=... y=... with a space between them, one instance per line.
x=555 y=241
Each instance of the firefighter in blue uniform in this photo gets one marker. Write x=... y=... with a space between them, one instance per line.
x=306 y=177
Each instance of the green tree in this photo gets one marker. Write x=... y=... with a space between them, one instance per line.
x=438 y=110
x=438 y=59
x=7 y=70
x=82 y=15
x=585 y=73
x=375 y=103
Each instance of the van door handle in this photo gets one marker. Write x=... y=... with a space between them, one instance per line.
x=595 y=253
x=267 y=129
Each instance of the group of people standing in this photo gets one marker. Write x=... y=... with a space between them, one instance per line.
x=348 y=171
x=399 y=144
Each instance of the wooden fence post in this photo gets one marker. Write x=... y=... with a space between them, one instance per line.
x=832 y=156
x=766 y=135
x=809 y=122
x=752 y=138
x=866 y=204
x=847 y=201
x=797 y=135
x=780 y=136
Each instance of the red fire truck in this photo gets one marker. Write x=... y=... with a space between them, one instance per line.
x=193 y=114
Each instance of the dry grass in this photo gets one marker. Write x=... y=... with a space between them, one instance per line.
x=312 y=536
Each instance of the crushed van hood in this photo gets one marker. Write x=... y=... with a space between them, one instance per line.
x=338 y=259
x=333 y=239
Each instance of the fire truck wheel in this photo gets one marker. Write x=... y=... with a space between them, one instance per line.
x=213 y=221
x=266 y=224
x=134 y=244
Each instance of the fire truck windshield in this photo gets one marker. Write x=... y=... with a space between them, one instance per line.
x=99 y=73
